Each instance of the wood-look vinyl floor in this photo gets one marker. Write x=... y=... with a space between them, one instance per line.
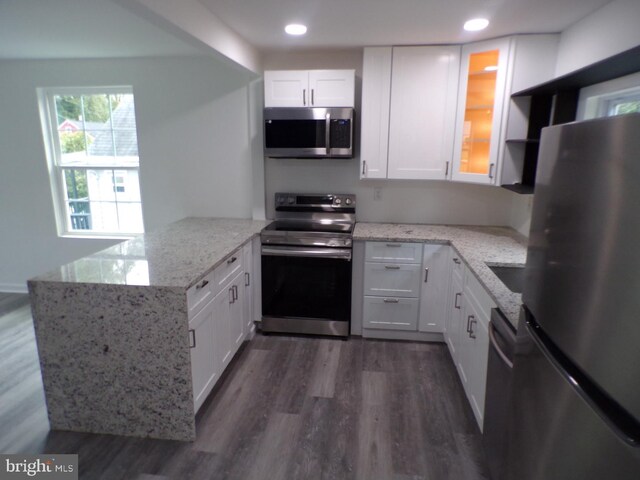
x=288 y=408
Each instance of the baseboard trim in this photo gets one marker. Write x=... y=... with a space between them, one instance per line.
x=13 y=288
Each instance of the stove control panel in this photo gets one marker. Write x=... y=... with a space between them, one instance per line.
x=303 y=200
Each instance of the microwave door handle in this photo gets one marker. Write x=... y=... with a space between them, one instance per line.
x=327 y=133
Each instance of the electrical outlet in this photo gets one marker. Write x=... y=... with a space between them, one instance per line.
x=377 y=193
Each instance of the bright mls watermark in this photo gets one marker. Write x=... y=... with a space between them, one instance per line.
x=51 y=467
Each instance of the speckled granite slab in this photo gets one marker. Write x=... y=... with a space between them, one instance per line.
x=477 y=246
x=112 y=329
x=178 y=255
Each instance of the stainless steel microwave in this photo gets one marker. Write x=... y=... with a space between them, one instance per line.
x=308 y=132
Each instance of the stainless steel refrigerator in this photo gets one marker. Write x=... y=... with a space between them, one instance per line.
x=575 y=400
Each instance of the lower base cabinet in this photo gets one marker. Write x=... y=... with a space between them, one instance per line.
x=217 y=329
x=391 y=313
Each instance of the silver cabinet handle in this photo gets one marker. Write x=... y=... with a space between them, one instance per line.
x=391 y=300
x=455 y=303
x=364 y=167
x=313 y=101
x=235 y=292
x=231 y=260
x=247 y=279
x=446 y=171
x=304 y=97
x=491 y=170
x=426 y=275
x=232 y=297
x=327 y=132
x=392 y=267
x=471 y=320
x=192 y=338
x=397 y=245
x=456 y=261
x=202 y=285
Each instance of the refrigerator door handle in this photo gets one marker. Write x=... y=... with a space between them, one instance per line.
x=625 y=426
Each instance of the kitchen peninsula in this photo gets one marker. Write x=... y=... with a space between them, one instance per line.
x=113 y=328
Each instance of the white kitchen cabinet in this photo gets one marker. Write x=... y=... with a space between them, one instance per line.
x=408 y=111
x=205 y=368
x=481 y=96
x=392 y=285
x=453 y=318
x=374 y=123
x=218 y=328
x=467 y=334
x=249 y=287
x=424 y=83
x=309 y=88
x=436 y=274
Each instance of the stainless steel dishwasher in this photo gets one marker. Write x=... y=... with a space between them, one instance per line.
x=502 y=338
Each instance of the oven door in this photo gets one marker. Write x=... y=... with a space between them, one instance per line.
x=306 y=290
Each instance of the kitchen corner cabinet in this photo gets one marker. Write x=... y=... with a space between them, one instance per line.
x=408 y=111
x=309 y=88
x=481 y=95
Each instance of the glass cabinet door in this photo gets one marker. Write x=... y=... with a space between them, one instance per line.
x=481 y=96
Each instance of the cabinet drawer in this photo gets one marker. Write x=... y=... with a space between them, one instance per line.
x=200 y=294
x=229 y=268
x=390 y=279
x=477 y=294
x=390 y=313
x=393 y=252
x=457 y=264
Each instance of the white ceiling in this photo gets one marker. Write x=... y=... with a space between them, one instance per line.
x=351 y=23
x=34 y=29
x=39 y=29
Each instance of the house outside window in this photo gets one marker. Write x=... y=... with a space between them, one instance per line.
x=92 y=150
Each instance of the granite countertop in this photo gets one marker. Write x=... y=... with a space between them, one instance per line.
x=477 y=246
x=177 y=255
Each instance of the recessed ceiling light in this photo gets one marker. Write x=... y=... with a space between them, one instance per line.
x=476 y=24
x=295 y=29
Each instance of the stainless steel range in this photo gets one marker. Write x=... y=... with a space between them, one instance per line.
x=306 y=264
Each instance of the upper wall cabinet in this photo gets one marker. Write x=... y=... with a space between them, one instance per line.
x=488 y=120
x=408 y=111
x=481 y=92
x=309 y=88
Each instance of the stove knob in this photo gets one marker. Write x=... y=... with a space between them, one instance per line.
x=348 y=201
x=291 y=200
x=337 y=201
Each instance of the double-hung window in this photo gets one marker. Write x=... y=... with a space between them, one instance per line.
x=92 y=147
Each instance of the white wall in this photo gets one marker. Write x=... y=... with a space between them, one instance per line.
x=193 y=134
x=609 y=30
x=402 y=201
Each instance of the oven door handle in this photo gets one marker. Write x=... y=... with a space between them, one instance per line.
x=337 y=253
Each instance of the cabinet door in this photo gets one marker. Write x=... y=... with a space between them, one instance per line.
x=454 y=304
x=390 y=313
x=236 y=312
x=436 y=279
x=332 y=88
x=205 y=368
x=222 y=340
x=472 y=361
x=424 y=83
x=376 y=95
x=286 y=88
x=249 y=279
x=481 y=96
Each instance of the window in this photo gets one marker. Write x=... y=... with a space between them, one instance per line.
x=623 y=104
x=93 y=155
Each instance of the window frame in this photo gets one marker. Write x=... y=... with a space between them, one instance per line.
x=56 y=169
